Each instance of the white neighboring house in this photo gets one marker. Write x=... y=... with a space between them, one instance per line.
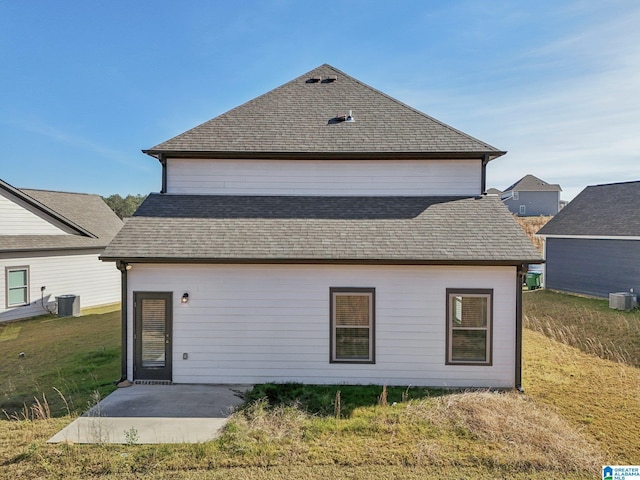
x=49 y=246
x=323 y=232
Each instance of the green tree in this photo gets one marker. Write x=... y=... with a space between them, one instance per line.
x=124 y=207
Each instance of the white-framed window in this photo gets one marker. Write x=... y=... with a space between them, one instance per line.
x=352 y=325
x=523 y=209
x=516 y=195
x=469 y=326
x=17 y=286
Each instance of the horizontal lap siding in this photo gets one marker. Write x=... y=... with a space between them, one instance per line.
x=19 y=219
x=96 y=282
x=321 y=177
x=249 y=324
x=592 y=266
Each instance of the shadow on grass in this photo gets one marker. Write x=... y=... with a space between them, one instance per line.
x=321 y=399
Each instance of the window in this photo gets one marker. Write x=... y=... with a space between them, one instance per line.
x=17 y=280
x=352 y=325
x=523 y=209
x=469 y=322
x=516 y=195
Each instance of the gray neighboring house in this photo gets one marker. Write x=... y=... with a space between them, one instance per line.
x=49 y=246
x=592 y=246
x=530 y=197
x=323 y=232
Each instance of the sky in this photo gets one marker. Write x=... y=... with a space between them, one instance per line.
x=87 y=85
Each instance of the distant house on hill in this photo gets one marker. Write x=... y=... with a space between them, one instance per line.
x=530 y=197
x=49 y=247
x=592 y=246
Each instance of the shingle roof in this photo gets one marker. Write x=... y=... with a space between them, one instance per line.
x=299 y=118
x=93 y=221
x=529 y=183
x=607 y=210
x=322 y=229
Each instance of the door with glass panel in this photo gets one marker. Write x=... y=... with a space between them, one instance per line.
x=152 y=335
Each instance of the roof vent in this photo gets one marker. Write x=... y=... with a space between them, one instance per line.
x=343 y=118
x=330 y=79
x=315 y=79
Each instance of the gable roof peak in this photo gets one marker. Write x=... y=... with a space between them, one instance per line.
x=531 y=183
x=304 y=117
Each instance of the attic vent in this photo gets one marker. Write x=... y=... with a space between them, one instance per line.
x=321 y=79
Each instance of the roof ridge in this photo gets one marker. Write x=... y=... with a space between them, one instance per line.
x=613 y=183
x=230 y=132
x=57 y=191
x=401 y=103
x=45 y=208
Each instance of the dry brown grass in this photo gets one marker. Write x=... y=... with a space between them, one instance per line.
x=527 y=433
x=600 y=397
x=531 y=225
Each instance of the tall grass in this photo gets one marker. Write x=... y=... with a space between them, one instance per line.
x=531 y=225
x=585 y=323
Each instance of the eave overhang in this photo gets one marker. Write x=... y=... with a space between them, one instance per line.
x=325 y=261
x=256 y=155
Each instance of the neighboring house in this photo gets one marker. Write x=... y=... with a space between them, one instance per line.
x=49 y=246
x=592 y=246
x=323 y=232
x=530 y=197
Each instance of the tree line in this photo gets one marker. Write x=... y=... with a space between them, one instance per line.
x=124 y=207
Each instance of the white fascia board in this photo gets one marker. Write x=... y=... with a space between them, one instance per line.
x=591 y=237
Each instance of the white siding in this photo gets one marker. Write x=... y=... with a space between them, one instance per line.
x=253 y=323
x=96 y=282
x=324 y=177
x=19 y=218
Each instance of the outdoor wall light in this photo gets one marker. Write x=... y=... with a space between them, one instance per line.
x=185 y=297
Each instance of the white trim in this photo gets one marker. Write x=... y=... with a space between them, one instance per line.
x=25 y=287
x=591 y=237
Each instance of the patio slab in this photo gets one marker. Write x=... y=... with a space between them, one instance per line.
x=156 y=414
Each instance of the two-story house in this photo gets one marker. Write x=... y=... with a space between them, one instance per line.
x=323 y=232
x=531 y=196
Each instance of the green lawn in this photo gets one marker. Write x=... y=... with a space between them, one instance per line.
x=579 y=412
x=75 y=355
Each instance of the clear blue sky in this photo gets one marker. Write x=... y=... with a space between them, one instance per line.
x=86 y=85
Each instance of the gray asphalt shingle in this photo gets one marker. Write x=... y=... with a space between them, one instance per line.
x=607 y=210
x=89 y=212
x=368 y=229
x=299 y=118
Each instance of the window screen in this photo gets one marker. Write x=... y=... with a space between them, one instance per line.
x=352 y=325
x=469 y=326
x=17 y=286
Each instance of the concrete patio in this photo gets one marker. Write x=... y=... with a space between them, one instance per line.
x=156 y=414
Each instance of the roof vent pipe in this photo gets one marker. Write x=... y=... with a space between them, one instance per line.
x=350 y=117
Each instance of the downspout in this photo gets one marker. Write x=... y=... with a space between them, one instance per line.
x=483 y=180
x=122 y=266
x=520 y=270
x=163 y=162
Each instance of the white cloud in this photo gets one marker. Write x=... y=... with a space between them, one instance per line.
x=573 y=118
